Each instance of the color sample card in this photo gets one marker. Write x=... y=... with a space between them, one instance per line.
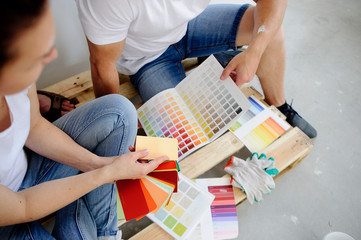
x=184 y=210
x=197 y=111
x=137 y=197
x=259 y=127
x=157 y=147
x=221 y=221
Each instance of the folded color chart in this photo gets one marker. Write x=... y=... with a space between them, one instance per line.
x=185 y=209
x=221 y=221
x=259 y=126
x=197 y=111
x=138 y=197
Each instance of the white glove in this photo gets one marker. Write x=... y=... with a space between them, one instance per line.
x=250 y=175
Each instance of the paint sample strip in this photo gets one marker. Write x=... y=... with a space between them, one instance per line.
x=185 y=209
x=222 y=219
x=262 y=129
x=263 y=135
x=196 y=111
x=224 y=212
x=254 y=110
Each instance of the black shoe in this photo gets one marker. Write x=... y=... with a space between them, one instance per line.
x=295 y=120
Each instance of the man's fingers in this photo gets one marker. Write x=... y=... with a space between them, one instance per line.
x=226 y=72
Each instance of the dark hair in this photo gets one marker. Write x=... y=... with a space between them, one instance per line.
x=15 y=17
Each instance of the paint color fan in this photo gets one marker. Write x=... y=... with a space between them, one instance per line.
x=138 y=197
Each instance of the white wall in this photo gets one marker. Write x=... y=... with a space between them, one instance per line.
x=71 y=43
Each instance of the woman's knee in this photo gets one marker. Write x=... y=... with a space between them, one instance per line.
x=94 y=122
x=119 y=111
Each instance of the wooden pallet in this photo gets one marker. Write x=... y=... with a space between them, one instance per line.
x=288 y=150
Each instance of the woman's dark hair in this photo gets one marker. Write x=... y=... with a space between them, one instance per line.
x=16 y=16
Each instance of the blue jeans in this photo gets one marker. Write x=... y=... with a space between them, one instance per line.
x=106 y=126
x=213 y=31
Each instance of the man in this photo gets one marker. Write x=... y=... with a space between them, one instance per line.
x=148 y=39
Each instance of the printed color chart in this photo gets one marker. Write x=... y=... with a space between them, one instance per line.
x=264 y=128
x=185 y=209
x=222 y=217
x=197 y=110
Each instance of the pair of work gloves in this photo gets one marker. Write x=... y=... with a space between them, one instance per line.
x=253 y=175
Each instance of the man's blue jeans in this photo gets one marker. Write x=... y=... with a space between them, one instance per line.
x=106 y=126
x=213 y=31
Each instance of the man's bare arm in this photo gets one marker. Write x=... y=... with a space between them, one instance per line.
x=103 y=69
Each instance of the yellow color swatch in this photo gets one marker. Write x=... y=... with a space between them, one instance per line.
x=158 y=146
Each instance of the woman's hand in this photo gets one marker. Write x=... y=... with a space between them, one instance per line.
x=127 y=166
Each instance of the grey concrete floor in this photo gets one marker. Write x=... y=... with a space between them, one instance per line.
x=323 y=77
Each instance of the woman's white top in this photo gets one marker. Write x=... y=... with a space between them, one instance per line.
x=13 y=165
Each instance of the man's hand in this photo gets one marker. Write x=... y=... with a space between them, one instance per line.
x=242 y=68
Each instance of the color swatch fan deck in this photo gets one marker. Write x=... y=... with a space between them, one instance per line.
x=197 y=111
x=138 y=197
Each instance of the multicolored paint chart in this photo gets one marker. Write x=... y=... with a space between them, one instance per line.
x=184 y=210
x=221 y=221
x=224 y=212
x=197 y=110
x=259 y=127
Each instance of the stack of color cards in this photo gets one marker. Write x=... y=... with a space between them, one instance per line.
x=138 y=197
x=259 y=127
x=221 y=221
x=185 y=209
x=197 y=111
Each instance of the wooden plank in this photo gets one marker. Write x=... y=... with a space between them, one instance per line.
x=288 y=150
x=210 y=155
x=73 y=86
x=81 y=87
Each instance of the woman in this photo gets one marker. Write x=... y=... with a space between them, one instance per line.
x=95 y=141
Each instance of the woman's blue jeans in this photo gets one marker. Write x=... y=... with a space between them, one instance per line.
x=106 y=126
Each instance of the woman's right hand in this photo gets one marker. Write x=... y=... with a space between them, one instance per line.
x=127 y=166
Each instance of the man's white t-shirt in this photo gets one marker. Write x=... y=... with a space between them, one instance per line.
x=149 y=26
x=13 y=163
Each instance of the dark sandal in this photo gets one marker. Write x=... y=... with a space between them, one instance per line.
x=55 y=108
